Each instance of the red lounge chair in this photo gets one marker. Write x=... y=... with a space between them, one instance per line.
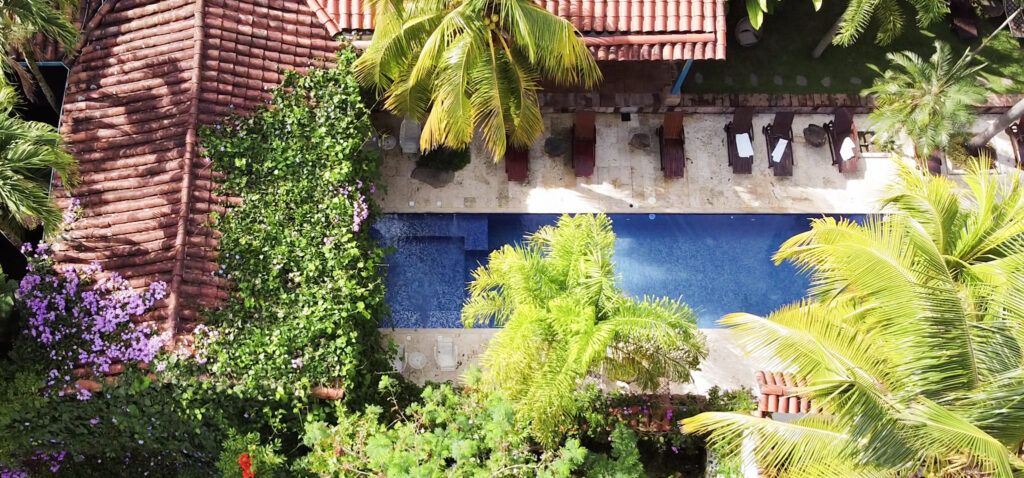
x=1016 y=133
x=837 y=131
x=742 y=123
x=673 y=145
x=517 y=163
x=584 y=138
x=780 y=129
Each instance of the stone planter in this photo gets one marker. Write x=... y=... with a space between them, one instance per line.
x=327 y=393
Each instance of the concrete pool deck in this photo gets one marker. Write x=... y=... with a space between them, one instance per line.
x=628 y=179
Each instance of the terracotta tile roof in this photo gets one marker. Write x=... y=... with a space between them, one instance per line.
x=613 y=29
x=149 y=73
x=777 y=394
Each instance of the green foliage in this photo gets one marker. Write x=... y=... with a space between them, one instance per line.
x=564 y=318
x=265 y=459
x=887 y=16
x=931 y=101
x=470 y=65
x=443 y=158
x=122 y=431
x=28 y=150
x=662 y=446
x=8 y=317
x=308 y=278
x=452 y=433
x=911 y=342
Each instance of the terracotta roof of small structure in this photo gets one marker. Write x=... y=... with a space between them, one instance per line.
x=612 y=29
x=778 y=395
x=149 y=73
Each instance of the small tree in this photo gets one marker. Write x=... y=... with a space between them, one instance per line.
x=472 y=65
x=929 y=100
x=565 y=319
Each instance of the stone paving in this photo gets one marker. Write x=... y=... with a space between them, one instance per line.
x=628 y=179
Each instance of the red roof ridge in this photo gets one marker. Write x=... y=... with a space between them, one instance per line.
x=170 y=326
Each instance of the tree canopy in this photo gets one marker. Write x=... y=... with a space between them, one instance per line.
x=912 y=340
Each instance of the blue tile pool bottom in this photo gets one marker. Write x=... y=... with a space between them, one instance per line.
x=716 y=263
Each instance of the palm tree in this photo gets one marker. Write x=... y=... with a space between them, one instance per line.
x=912 y=340
x=28 y=152
x=564 y=319
x=22 y=19
x=457 y=65
x=928 y=100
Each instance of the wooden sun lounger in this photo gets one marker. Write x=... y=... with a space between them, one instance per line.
x=584 y=138
x=781 y=128
x=673 y=145
x=742 y=122
x=517 y=163
x=836 y=130
x=1016 y=133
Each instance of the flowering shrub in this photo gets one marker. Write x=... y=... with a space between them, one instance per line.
x=307 y=275
x=79 y=319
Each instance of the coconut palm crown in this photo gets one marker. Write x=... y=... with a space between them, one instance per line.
x=929 y=100
x=464 y=65
x=564 y=319
x=912 y=340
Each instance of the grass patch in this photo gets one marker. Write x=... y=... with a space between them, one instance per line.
x=794 y=29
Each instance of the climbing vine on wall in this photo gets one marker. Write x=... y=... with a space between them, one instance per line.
x=308 y=292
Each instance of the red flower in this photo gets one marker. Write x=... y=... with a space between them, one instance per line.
x=245 y=462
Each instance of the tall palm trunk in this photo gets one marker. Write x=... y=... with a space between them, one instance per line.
x=1013 y=114
x=51 y=98
x=1005 y=120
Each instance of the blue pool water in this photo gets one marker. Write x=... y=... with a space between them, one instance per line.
x=718 y=264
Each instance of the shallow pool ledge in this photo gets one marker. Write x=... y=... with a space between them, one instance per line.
x=725 y=366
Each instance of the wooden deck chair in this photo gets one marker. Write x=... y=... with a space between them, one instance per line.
x=739 y=140
x=517 y=163
x=778 y=136
x=584 y=138
x=673 y=145
x=843 y=140
x=1016 y=134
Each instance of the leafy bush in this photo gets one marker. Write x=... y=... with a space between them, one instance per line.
x=452 y=433
x=134 y=428
x=661 y=444
x=308 y=281
x=443 y=158
x=244 y=453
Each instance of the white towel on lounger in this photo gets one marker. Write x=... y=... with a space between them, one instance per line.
x=780 y=149
x=848 y=149
x=743 y=146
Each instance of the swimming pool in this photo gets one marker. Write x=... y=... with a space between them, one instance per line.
x=716 y=263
